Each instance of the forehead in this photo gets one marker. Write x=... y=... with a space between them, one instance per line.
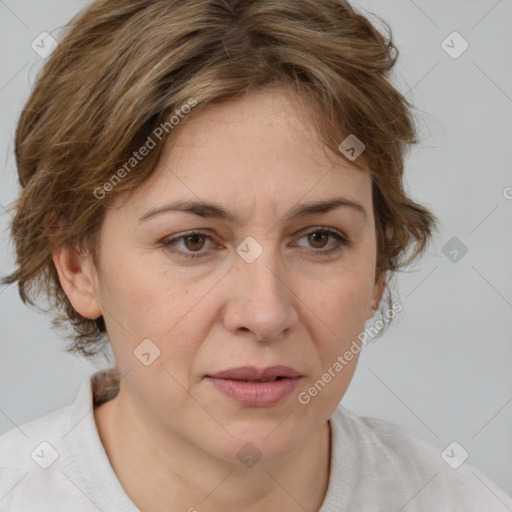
x=262 y=124
x=259 y=149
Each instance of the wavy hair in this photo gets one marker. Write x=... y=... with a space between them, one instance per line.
x=123 y=67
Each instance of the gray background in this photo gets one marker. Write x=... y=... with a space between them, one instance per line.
x=443 y=368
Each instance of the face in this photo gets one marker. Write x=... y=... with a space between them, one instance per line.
x=259 y=286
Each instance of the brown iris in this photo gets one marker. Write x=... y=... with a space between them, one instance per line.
x=191 y=242
x=318 y=237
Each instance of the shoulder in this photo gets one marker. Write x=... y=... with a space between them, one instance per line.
x=420 y=474
x=42 y=440
x=38 y=467
x=31 y=442
x=28 y=457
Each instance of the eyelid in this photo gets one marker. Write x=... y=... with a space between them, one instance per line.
x=342 y=239
x=172 y=240
x=314 y=229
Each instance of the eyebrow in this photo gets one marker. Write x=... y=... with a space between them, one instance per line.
x=209 y=210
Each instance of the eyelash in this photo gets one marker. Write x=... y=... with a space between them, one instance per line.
x=343 y=242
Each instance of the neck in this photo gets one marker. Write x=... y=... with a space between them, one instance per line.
x=163 y=468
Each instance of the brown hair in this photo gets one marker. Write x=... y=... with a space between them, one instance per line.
x=124 y=67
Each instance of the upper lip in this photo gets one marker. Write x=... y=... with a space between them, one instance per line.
x=252 y=373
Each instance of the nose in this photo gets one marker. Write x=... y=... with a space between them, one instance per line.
x=261 y=299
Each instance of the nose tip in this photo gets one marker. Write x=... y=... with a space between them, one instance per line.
x=259 y=302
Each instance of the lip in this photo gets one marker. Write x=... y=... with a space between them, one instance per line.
x=256 y=394
x=252 y=373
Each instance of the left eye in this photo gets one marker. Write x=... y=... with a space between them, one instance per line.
x=194 y=242
x=318 y=239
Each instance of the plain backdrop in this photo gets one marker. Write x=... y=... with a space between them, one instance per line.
x=444 y=368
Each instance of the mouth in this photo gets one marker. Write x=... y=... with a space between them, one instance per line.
x=249 y=373
x=251 y=387
x=259 y=380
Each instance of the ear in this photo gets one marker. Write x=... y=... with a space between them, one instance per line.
x=378 y=291
x=78 y=280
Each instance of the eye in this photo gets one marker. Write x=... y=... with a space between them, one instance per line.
x=319 y=238
x=192 y=242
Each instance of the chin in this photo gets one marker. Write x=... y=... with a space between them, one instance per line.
x=256 y=445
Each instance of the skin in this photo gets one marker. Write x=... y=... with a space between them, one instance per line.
x=257 y=157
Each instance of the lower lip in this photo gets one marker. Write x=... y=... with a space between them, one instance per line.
x=256 y=394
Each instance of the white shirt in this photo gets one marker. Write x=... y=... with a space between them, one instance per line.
x=57 y=463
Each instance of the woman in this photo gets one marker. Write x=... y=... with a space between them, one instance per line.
x=214 y=188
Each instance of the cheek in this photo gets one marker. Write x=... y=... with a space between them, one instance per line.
x=164 y=306
x=341 y=307
x=342 y=301
x=140 y=295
